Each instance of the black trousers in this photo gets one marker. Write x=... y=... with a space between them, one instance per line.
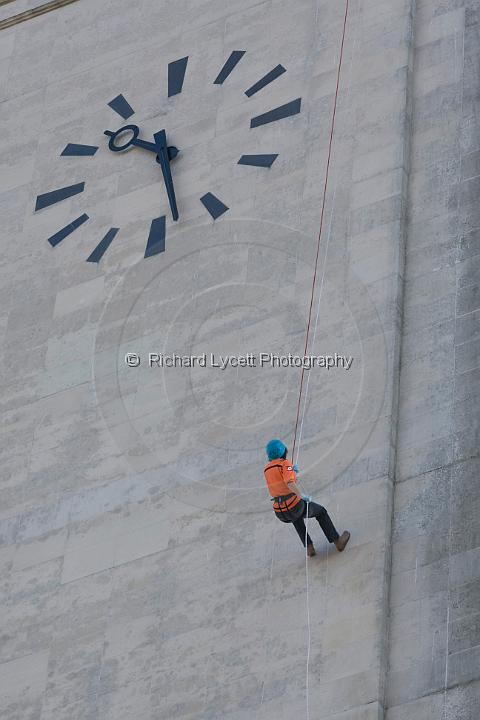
x=322 y=517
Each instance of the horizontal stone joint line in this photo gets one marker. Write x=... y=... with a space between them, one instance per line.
x=452 y=464
x=440 y=691
x=33 y=13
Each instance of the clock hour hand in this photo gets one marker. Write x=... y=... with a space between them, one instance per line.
x=135 y=140
x=164 y=161
x=172 y=151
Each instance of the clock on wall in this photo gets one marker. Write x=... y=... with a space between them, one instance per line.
x=128 y=137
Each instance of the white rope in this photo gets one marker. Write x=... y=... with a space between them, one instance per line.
x=309 y=633
x=309 y=641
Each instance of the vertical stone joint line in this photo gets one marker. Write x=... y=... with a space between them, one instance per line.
x=396 y=359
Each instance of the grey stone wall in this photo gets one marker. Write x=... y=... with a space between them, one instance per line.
x=143 y=571
x=435 y=574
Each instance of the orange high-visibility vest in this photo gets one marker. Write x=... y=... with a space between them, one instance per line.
x=277 y=474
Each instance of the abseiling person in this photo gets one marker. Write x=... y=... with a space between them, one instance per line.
x=291 y=505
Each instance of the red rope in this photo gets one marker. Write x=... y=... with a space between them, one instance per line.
x=332 y=129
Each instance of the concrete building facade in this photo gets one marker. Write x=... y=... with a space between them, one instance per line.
x=143 y=573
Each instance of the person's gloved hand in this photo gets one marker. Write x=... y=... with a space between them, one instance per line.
x=307 y=498
x=295 y=467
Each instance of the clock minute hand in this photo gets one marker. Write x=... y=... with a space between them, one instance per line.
x=163 y=160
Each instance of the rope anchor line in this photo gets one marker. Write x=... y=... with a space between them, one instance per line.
x=322 y=214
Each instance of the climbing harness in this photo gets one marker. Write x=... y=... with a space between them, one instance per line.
x=288 y=511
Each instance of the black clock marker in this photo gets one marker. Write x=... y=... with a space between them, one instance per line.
x=156 y=237
x=258 y=160
x=74 y=149
x=67 y=230
x=176 y=75
x=290 y=108
x=102 y=246
x=121 y=106
x=265 y=80
x=231 y=62
x=214 y=206
x=50 y=198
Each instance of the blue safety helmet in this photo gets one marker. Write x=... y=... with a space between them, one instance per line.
x=275 y=449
